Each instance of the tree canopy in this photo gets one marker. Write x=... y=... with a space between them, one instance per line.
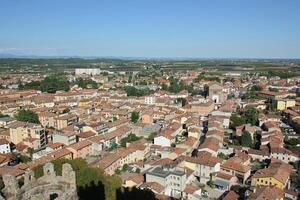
x=250 y=116
x=50 y=84
x=86 y=83
x=27 y=116
x=256 y=88
x=135 y=117
x=132 y=91
x=128 y=139
x=246 y=139
x=177 y=86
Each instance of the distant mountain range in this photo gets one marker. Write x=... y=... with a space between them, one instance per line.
x=11 y=55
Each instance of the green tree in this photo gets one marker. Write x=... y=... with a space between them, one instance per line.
x=251 y=116
x=211 y=184
x=130 y=138
x=32 y=85
x=135 y=117
x=164 y=87
x=182 y=101
x=222 y=156
x=295 y=181
x=256 y=88
x=66 y=110
x=246 y=139
x=236 y=120
x=86 y=83
x=27 y=116
x=132 y=91
x=54 y=83
x=151 y=136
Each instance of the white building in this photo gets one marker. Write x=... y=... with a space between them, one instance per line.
x=173 y=180
x=66 y=138
x=87 y=71
x=150 y=100
x=4 y=146
x=162 y=141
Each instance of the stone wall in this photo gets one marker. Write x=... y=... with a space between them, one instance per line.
x=48 y=187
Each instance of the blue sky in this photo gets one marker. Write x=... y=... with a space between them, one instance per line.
x=151 y=28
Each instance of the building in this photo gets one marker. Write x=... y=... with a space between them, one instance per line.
x=203 y=165
x=109 y=163
x=277 y=174
x=201 y=107
x=4 y=146
x=21 y=131
x=172 y=180
x=215 y=93
x=282 y=104
x=66 y=138
x=284 y=155
x=47 y=119
x=224 y=181
x=87 y=71
x=65 y=120
x=131 y=179
x=81 y=149
x=234 y=166
x=266 y=192
x=150 y=100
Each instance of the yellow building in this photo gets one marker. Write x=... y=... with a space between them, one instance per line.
x=277 y=174
x=282 y=104
x=21 y=131
x=267 y=181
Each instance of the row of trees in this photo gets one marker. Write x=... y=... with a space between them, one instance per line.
x=132 y=91
x=177 y=86
x=202 y=76
x=86 y=83
x=54 y=83
x=50 y=84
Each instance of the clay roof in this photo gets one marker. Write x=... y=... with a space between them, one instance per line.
x=210 y=143
x=267 y=193
x=190 y=189
x=107 y=160
x=4 y=158
x=277 y=169
x=3 y=141
x=11 y=170
x=56 y=145
x=135 y=177
x=222 y=175
x=231 y=195
x=153 y=186
x=80 y=145
x=234 y=165
x=86 y=134
x=203 y=158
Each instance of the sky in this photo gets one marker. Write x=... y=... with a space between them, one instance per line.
x=151 y=28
